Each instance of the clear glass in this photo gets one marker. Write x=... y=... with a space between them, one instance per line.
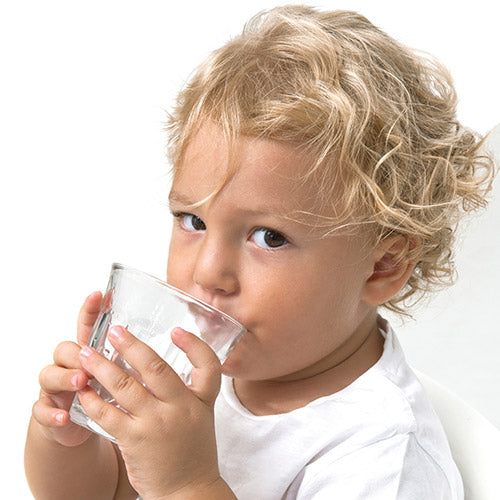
x=150 y=308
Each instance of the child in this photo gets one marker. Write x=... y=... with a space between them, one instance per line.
x=318 y=174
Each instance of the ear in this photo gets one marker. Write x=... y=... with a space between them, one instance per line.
x=390 y=271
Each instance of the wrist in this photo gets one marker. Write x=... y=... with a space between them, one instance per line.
x=214 y=490
x=43 y=434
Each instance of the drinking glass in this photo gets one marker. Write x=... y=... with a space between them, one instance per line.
x=150 y=308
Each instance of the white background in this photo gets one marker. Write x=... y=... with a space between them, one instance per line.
x=83 y=89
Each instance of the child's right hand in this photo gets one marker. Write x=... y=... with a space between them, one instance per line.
x=61 y=380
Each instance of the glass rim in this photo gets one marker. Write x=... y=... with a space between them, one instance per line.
x=178 y=292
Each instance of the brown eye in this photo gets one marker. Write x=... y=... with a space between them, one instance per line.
x=191 y=222
x=267 y=238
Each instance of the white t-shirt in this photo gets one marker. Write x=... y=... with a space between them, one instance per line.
x=378 y=438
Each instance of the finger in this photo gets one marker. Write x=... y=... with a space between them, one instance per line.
x=160 y=379
x=110 y=418
x=206 y=374
x=123 y=387
x=54 y=379
x=46 y=413
x=66 y=355
x=87 y=316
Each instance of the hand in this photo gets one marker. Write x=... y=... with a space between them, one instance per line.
x=61 y=380
x=167 y=436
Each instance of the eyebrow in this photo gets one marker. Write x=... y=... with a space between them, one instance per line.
x=174 y=196
x=279 y=211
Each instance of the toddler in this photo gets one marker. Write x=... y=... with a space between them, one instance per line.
x=319 y=173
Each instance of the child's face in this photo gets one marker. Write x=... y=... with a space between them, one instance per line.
x=299 y=296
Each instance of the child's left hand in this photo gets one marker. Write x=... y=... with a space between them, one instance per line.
x=167 y=439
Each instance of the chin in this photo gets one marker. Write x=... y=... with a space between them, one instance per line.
x=238 y=367
x=232 y=367
x=238 y=359
x=246 y=362
x=228 y=371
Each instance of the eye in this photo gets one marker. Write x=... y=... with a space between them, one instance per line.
x=190 y=222
x=267 y=238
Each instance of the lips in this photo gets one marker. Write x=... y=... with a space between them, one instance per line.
x=212 y=317
x=209 y=321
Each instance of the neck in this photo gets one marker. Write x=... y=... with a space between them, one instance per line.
x=331 y=374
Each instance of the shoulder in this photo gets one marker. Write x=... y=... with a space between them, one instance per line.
x=379 y=435
x=393 y=468
x=389 y=444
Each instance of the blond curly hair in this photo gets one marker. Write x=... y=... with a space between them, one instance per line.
x=378 y=118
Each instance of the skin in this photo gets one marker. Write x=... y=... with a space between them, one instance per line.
x=309 y=305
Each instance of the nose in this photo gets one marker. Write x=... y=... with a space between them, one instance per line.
x=215 y=270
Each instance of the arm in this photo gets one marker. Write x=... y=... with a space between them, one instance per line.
x=218 y=490
x=55 y=471
x=63 y=460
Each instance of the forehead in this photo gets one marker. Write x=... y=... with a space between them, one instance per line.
x=253 y=171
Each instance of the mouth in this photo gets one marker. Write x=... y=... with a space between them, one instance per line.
x=213 y=319
x=209 y=321
x=220 y=331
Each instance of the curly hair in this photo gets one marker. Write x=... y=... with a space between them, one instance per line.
x=378 y=119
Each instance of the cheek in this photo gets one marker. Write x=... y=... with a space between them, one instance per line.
x=323 y=299
x=178 y=266
x=284 y=300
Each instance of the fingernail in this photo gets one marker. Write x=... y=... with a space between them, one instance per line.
x=76 y=380
x=115 y=332
x=178 y=332
x=86 y=351
x=60 y=418
x=179 y=337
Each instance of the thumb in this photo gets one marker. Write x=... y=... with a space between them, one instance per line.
x=87 y=317
x=206 y=374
